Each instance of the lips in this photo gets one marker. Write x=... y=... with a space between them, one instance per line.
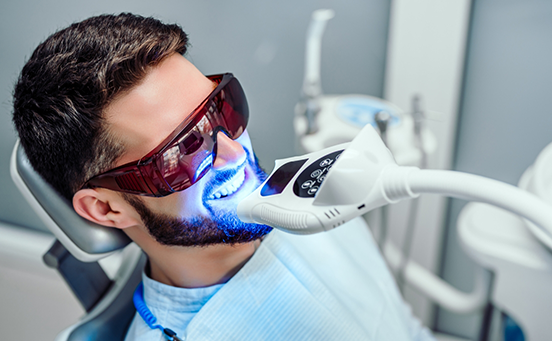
x=229 y=187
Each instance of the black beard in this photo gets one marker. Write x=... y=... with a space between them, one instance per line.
x=223 y=227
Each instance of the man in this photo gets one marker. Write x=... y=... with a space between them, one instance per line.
x=114 y=117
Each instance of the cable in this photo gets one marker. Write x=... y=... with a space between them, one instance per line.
x=408 y=240
x=407 y=244
x=408 y=182
x=147 y=316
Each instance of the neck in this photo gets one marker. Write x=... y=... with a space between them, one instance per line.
x=193 y=267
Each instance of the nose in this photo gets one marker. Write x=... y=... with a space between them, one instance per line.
x=230 y=153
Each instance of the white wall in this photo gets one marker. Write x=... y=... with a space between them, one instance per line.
x=505 y=118
x=426 y=52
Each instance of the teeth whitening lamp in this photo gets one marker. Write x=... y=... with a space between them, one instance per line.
x=323 y=120
x=320 y=191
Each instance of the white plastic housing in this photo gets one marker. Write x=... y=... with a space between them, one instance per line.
x=365 y=177
x=311 y=84
x=341 y=196
x=342 y=117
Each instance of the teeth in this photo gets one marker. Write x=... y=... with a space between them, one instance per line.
x=230 y=187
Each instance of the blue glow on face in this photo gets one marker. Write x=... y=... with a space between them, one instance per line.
x=222 y=226
x=207 y=162
x=225 y=217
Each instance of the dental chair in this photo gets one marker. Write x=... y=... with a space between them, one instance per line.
x=81 y=254
x=522 y=263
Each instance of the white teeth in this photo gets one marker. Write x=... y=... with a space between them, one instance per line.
x=230 y=187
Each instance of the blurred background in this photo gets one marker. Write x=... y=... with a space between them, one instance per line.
x=481 y=67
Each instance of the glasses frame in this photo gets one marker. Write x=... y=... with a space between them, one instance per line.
x=143 y=176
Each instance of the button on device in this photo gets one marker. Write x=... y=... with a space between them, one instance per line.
x=316 y=173
x=312 y=190
x=326 y=162
x=307 y=184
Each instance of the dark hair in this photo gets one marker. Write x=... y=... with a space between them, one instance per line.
x=70 y=79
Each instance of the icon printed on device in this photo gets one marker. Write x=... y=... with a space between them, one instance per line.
x=326 y=162
x=308 y=183
x=313 y=190
x=316 y=173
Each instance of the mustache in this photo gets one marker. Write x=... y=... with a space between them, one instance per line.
x=221 y=177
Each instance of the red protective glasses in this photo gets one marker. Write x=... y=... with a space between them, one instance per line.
x=188 y=153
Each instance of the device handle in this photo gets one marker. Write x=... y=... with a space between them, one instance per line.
x=477 y=188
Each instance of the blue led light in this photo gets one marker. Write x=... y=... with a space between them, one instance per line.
x=207 y=162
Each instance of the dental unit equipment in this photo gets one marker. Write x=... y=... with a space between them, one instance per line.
x=326 y=120
x=323 y=120
x=522 y=265
x=82 y=254
x=321 y=191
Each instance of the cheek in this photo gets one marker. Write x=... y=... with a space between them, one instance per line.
x=180 y=204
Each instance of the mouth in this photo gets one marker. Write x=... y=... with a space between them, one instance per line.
x=229 y=187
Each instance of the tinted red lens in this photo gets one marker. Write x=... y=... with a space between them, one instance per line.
x=188 y=158
x=189 y=152
x=234 y=108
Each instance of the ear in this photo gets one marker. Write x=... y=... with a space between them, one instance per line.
x=105 y=208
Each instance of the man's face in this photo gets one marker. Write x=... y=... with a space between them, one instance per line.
x=206 y=212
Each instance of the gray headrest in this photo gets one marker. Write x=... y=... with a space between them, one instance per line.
x=85 y=240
